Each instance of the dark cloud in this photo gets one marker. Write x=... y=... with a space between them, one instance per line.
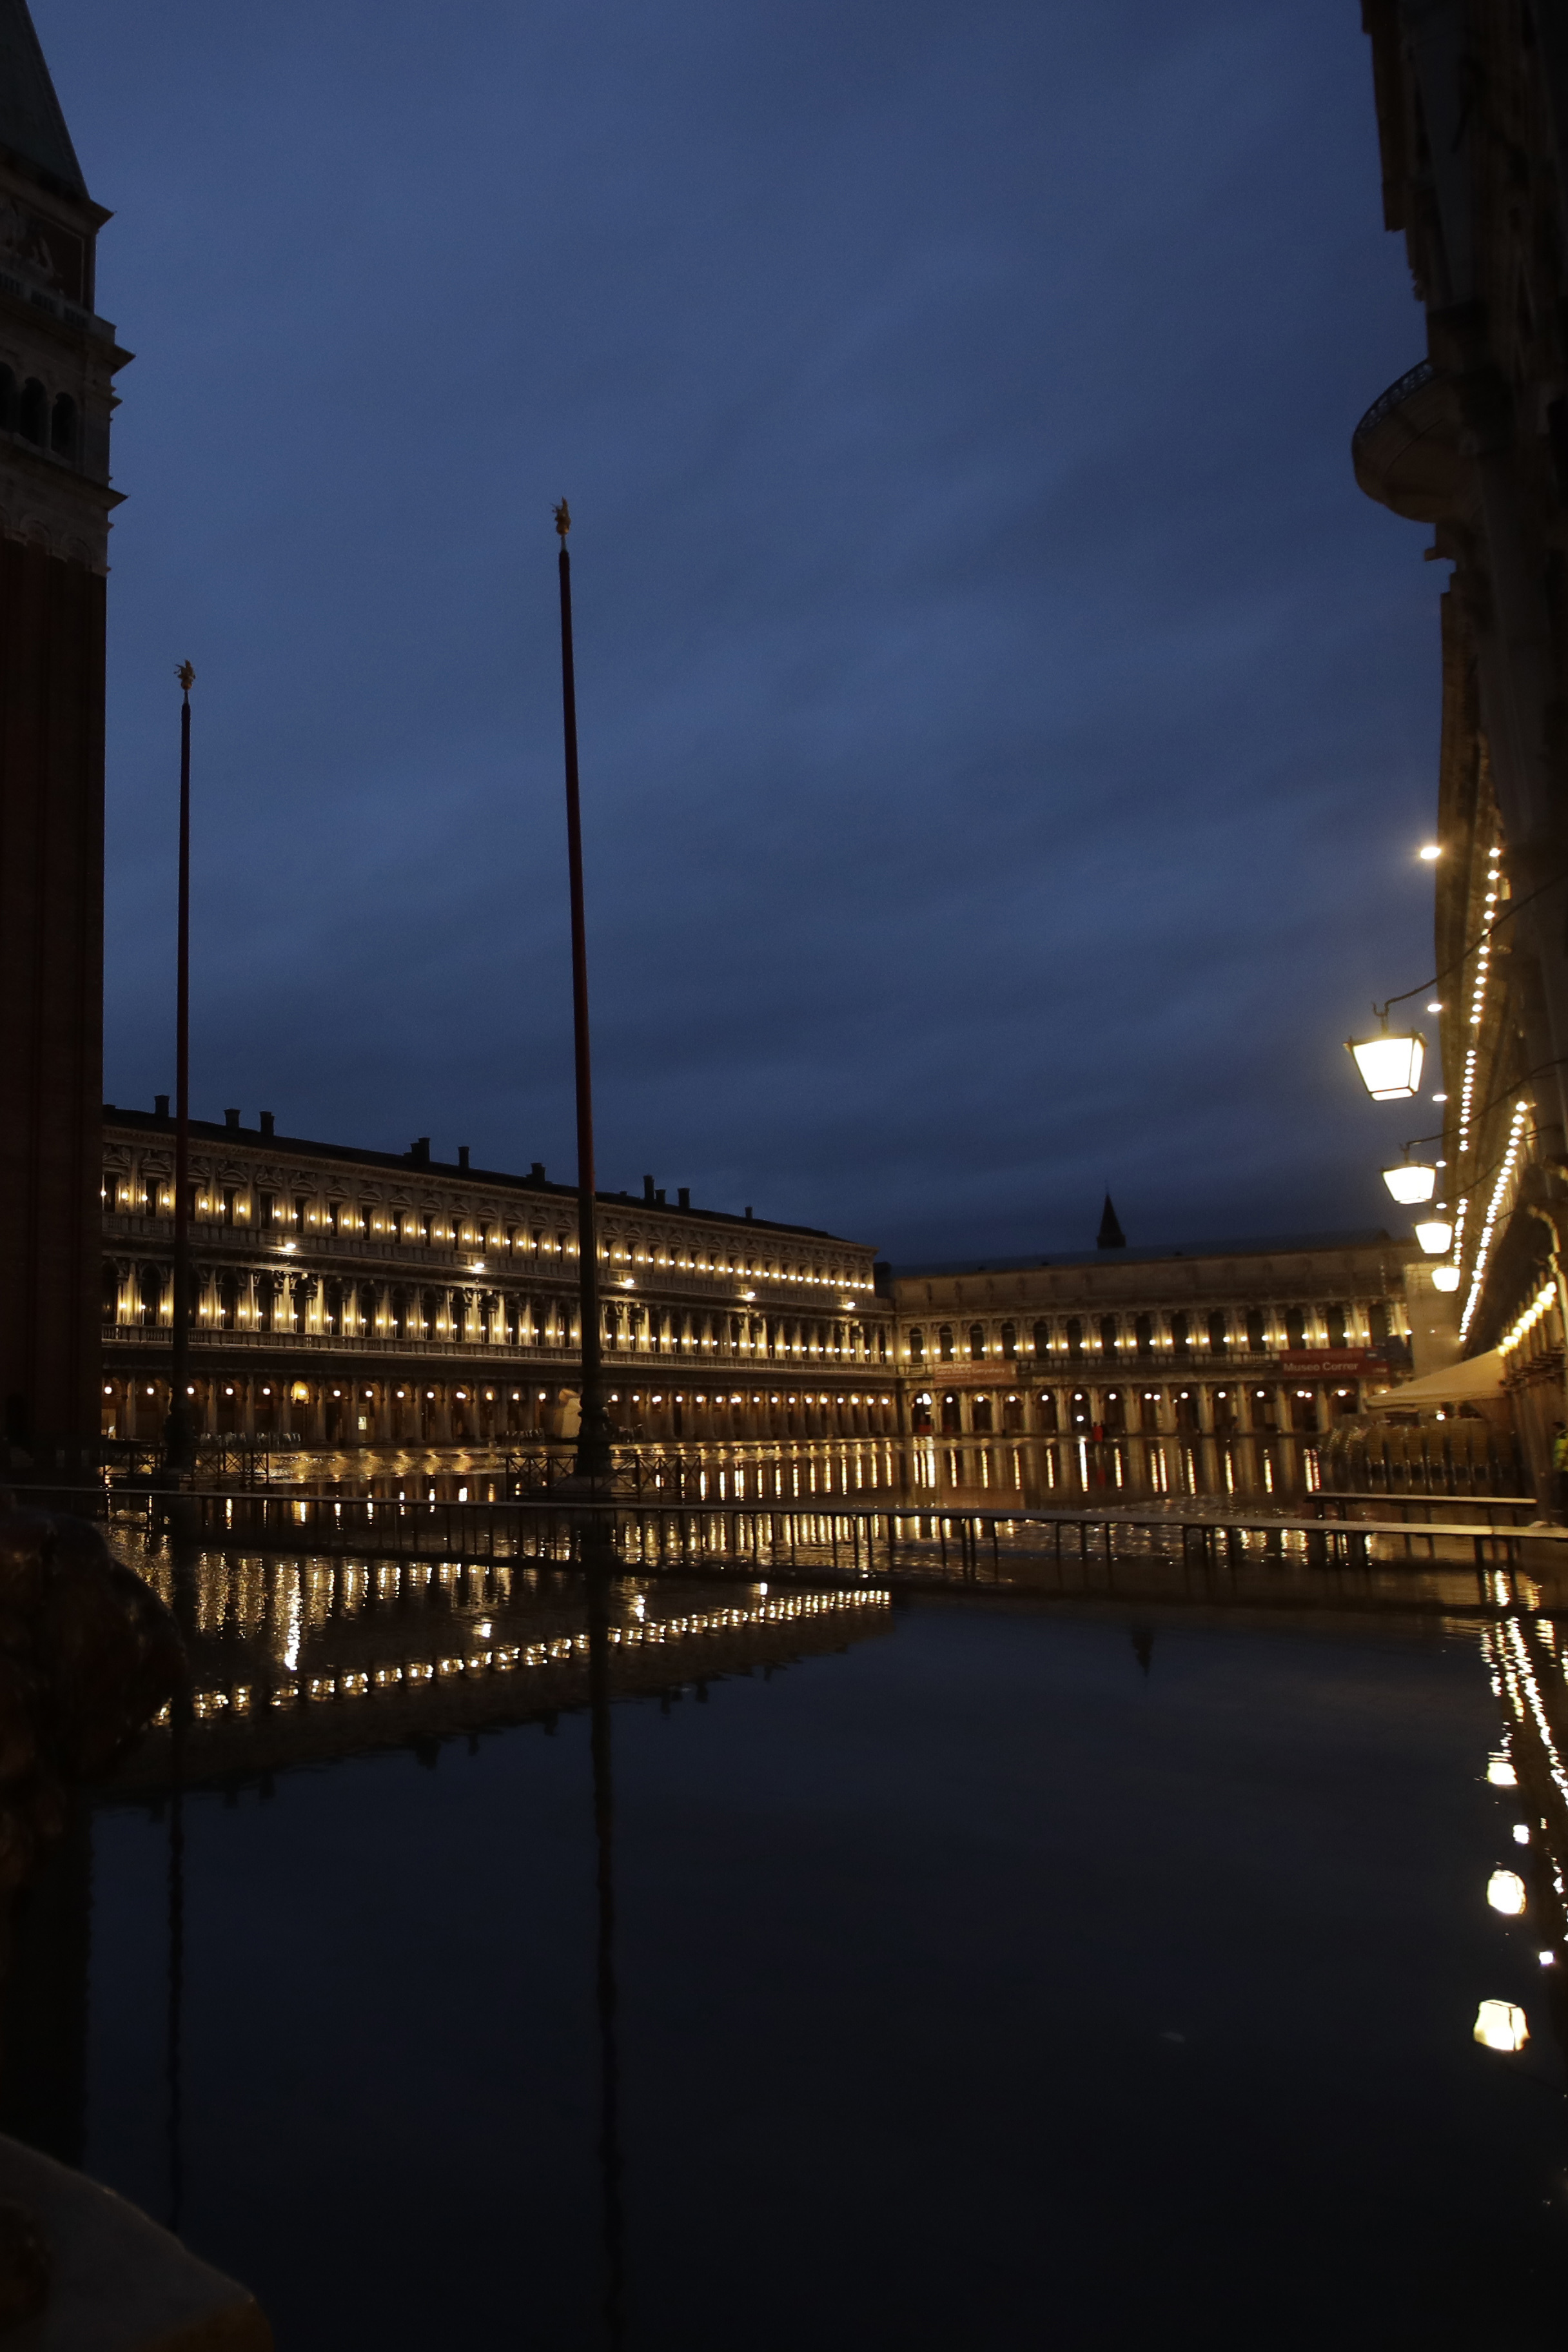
x=1005 y=726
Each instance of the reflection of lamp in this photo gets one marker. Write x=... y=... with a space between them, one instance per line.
x=1434 y=1234
x=1444 y=1277
x=1501 y=2026
x=1390 y=1067
x=1505 y=1892
x=1411 y=1182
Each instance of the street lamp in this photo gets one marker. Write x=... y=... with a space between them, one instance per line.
x=1444 y=1277
x=1411 y=1182
x=1390 y=1067
x=1435 y=1235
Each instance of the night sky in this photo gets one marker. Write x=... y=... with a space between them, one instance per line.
x=1006 y=728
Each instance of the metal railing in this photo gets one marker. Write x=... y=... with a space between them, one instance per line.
x=835 y=1540
x=1411 y=381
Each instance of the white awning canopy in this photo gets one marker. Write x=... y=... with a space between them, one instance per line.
x=1477 y=1376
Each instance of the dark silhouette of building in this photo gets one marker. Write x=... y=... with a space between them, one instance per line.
x=58 y=362
x=1472 y=441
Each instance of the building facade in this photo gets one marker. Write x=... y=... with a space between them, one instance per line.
x=351 y=1299
x=1262 y=1339
x=58 y=362
x=1472 y=442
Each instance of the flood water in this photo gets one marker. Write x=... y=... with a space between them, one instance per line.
x=989 y=1969
x=1211 y=1471
x=1029 y=1472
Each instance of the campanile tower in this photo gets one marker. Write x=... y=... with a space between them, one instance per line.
x=57 y=360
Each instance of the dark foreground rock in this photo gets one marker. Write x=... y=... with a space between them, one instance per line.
x=89 y=1656
x=116 y=2283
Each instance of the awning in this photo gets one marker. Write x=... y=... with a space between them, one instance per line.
x=1477 y=1376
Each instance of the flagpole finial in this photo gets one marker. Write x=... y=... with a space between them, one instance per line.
x=562 y=519
x=186 y=676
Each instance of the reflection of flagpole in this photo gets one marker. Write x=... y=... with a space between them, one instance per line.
x=176 y=1949
x=598 y=1561
x=183 y=1561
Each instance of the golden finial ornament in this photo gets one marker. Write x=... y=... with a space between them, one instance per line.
x=562 y=519
x=186 y=676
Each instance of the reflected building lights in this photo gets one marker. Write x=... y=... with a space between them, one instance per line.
x=1501 y=2025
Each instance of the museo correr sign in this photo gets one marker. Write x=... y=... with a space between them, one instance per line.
x=1332 y=1363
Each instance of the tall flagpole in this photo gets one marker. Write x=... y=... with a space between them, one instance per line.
x=594 y=1430
x=179 y=1433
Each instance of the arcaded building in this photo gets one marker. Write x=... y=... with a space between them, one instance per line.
x=1261 y=1337
x=360 y=1299
x=1472 y=443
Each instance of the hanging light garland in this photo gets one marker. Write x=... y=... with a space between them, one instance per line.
x=1483 y=1248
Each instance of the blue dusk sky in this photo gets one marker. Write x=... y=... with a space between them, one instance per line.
x=1006 y=729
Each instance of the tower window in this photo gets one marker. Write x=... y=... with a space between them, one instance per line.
x=33 y=412
x=62 y=426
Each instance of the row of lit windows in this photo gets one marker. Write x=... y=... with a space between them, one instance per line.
x=1261 y=1331
x=235 y=1301
x=300 y=1214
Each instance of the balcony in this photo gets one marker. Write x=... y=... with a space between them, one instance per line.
x=388 y=1257
x=504 y=1359
x=1406 y=450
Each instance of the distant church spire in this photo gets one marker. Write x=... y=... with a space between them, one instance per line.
x=1110 y=1235
x=31 y=123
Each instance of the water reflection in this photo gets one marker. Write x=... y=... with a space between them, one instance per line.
x=1527 y=1650
x=298 y=1660
x=807 y=1893
x=600 y=1567
x=1034 y=1471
